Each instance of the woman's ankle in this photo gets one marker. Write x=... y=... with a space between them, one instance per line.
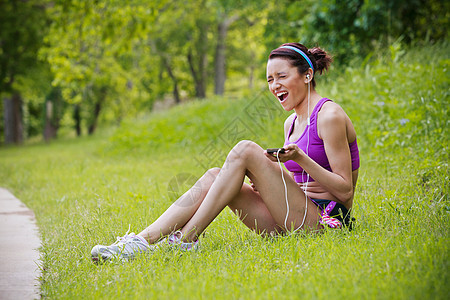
x=190 y=236
x=149 y=237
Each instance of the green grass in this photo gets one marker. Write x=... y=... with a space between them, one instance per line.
x=87 y=191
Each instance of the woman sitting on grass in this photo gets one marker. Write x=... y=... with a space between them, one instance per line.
x=320 y=151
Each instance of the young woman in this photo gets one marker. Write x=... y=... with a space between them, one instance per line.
x=320 y=151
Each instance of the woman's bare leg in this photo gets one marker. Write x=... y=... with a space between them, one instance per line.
x=248 y=206
x=253 y=212
x=247 y=158
x=177 y=215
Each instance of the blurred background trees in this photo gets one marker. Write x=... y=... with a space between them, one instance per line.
x=71 y=64
x=22 y=28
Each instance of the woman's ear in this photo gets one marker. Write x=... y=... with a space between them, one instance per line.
x=309 y=76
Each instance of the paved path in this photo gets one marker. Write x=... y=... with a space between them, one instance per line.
x=19 y=243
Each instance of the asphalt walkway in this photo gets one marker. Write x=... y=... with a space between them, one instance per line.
x=19 y=255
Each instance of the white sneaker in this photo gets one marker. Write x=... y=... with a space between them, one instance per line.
x=125 y=248
x=175 y=240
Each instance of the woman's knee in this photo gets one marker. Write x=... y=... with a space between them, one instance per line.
x=206 y=181
x=213 y=172
x=210 y=175
x=244 y=149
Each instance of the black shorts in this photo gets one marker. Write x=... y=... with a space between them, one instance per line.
x=339 y=211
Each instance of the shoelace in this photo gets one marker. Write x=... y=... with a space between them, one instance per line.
x=123 y=239
x=177 y=239
x=174 y=239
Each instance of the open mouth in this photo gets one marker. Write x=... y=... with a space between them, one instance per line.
x=282 y=96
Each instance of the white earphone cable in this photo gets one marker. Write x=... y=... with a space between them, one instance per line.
x=285 y=190
x=303 y=172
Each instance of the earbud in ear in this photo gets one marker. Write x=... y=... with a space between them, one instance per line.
x=307 y=76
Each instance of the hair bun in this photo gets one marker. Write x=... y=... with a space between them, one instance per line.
x=323 y=59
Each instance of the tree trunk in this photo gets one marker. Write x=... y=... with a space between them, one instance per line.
x=197 y=75
x=50 y=128
x=176 y=93
x=77 y=119
x=166 y=64
x=13 y=119
x=220 y=57
x=93 y=125
x=203 y=64
x=97 y=109
x=198 y=61
x=219 y=64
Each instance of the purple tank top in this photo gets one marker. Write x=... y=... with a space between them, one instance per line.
x=316 y=149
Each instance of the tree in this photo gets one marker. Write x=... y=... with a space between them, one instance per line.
x=183 y=43
x=167 y=42
x=90 y=52
x=199 y=44
x=226 y=17
x=42 y=106
x=354 y=28
x=23 y=25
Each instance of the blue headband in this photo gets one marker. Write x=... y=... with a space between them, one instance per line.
x=302 y=54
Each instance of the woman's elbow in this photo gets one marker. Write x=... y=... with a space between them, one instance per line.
x=346 y=195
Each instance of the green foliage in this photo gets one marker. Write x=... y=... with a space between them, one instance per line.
x=35 y=88
x=352 y=28
x=195 y=126
x=114 y=59
x=406 y=94
x=403 y=94
x=178 y=127
x=89 y=50
x=88 y=191
x=23 y=25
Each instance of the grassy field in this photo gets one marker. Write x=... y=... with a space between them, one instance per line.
x=87 y=191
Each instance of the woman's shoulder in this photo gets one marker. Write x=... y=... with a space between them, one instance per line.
x=332 y=116
x=331 y=112
x=287 y=123
x=289 y=120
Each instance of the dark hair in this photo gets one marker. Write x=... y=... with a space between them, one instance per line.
x=320 y=59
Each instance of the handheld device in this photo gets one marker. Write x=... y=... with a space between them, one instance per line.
x=275 y=150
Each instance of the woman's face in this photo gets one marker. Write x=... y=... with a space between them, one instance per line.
x=286 y=83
